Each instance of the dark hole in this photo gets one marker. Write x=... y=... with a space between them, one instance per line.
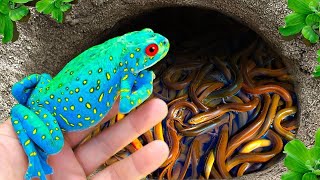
x=202 y=32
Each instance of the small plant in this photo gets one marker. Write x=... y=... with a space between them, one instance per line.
x=12 y=11
x=305 y=18
x=302 y=163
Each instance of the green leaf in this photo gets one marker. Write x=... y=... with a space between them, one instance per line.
x=291 y=30
x=309 y=34
x=2 y=23
x=300 y=6
x=294 y=24
x=316 y=73
x=313 y=5
x=309 y=176
x=65 y=7
x=297 y=150
x=8 y=30
x=21 y=1
x=291 y=176
x=317 y=139
x=295 y=19
x=4 y=6
x=315 y=153
x=57 y=14
x=312 y=19
x=45 y=6
x=19 y=13
x=294 y=165
x=67 y=1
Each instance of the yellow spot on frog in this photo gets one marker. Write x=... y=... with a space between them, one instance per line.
x=110 y=58
x=148 y=91
x=139 y=101
x=72 y=108
x=33 y=154
x=72 y=125
x=80 y=124
x=108 y=76
x=57 y=138
x=84 y=82
x=101 y=97
x=114 y=70
x=59 y=100
x=87 y=118
x=110 y=90
x=71 y=92
x=131 y=69
x=108 y=104
x=18 y=132
x=30 y=165
x=65 y=119
x=125 y=70
x=91 y=90
x=15 y=122
x=125 y=77
x=39 y=174
x=25 y=117
x=77 y=90
x=27 y=142
x=32 y=102
x=88 y=105
x=120 y=64
x=51 y=96
x=47 y=124
x=57 y=129
x=124 y=90
x=131 y=102
x=94 y=111
x=43 y=137
x=65 y=108
x=78 y=116
x=101 y=115
x=131 y=55
x=34 y=131
x=51 y=131
x=138 y=49
x=92 y=121
x=99 y=70
x=45 y=116
x=141 y=75
x=80 y=99
x=67 y=99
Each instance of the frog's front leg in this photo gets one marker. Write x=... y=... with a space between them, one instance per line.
x=135 y=90
x=40 y=136
x=22 y=90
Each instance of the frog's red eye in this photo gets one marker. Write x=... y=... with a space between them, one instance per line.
x=152 y=49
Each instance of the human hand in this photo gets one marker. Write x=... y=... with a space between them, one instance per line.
x=80 y=162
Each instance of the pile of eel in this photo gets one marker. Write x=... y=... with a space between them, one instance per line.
x=229 y=115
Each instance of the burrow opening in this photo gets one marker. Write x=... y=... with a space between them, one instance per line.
x=242 y=128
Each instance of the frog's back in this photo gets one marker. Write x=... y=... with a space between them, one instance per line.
x=82 y=86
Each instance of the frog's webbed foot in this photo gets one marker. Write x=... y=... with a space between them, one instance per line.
x=39 y=135
x=135 y=90
x=22 y=90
